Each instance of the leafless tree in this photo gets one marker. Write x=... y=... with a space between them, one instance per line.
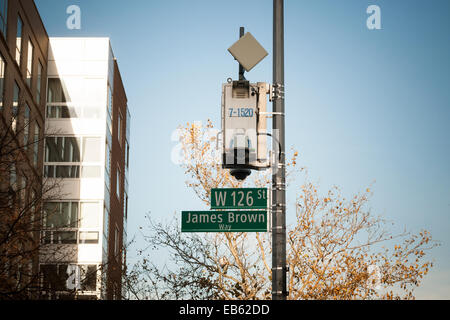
x=22 y=192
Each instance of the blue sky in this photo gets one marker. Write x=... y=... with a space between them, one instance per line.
x=362 y=105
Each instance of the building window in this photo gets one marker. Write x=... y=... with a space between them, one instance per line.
x=54 y=277
x=19 y=40
x=15 y=109
x=88 y=275
x=119 y=128
x=39 y=83
x=118 y=183
x=26 y=126
x=62 y=149
x=60 y=223
x=116 y=243
x=55 y=91
x=13 y=176
x=36 y=141
x=91 y=172
x=71 y=222
x=30 y=63
x=2 y=80
x=89 y=214
x=3 y=16
x=127 y=157
x=64 y=157
x=60 y=215
x=62 y=112
x=109 y=109
x=108 y=166
x=105 y=226
x=126 y=206
x=65 y=277
x=88 y=237
x=59 y=105
x=91 y=149
x=59 y=237
x=64 y=172
x=23 y=190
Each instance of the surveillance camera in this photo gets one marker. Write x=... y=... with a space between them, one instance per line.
x=240 y=174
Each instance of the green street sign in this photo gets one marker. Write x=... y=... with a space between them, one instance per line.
x=224 y=221
x=249 y=198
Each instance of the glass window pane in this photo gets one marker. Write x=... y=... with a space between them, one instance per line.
x=2 y=80
x=92 y=149
x=88 y=237
x=62 y=149
x=92 y=112
x=62 y=171
x=109 y=110
x=26 y=126
x=16 y=95
x=74 y=172
x=61 y=214
x=51 y=213
x=3 y=15
x=19 y=40
x=105 y=224
x=65 y=237
x=126 y=206
x=49 y=276
x=118 y=184
x=90 y=212
x=63 y=275
x=71 y=172
x=91 y=172
x=62 y=112
x=119 y=128
x=74 y=215
x=110 y=102
x=116 y=242
x=95 y=90
x=51 y=112
x=69 y=215
x=108 y=159
x=64 y=215
x=127 y=154
x=46 y=237
x=30 y=62
x=15 y=106
x=49 y=171
x=37 y=132
x=88 y=277
x=39 y=83
x=56 y=91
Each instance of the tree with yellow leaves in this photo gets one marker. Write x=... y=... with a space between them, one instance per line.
x=336 y=248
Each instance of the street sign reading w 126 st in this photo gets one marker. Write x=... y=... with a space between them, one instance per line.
x=247 y=198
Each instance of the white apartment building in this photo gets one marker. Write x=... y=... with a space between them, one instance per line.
x=86 y=153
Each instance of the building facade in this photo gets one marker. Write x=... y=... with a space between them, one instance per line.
x=23 y=79
x=72 y=89
x=86 y=149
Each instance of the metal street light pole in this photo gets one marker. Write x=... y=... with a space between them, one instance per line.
x=279 y=268
x=241 y=68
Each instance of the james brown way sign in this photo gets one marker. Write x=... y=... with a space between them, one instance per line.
x=224 y=221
